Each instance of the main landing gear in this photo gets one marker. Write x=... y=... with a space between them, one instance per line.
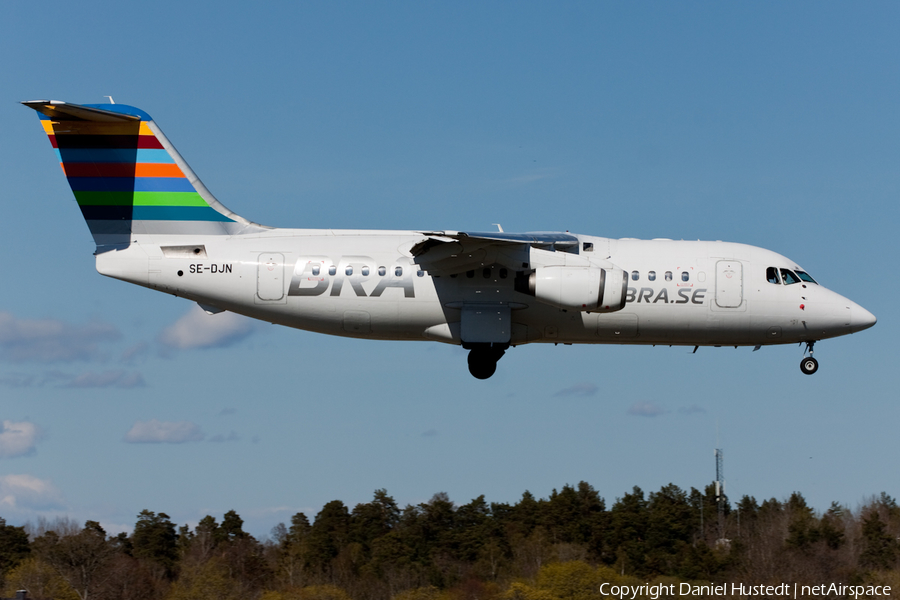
x=809 y=365
x=483 y=358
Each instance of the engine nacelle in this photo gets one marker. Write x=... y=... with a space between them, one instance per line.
x=577 y=288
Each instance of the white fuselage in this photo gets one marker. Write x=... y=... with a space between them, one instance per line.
x=367 y=284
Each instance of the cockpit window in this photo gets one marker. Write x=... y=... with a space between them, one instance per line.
x=772 y=275
x=805 y=277
x=789 y=277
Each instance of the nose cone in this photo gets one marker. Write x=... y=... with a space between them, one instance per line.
x=860 y=318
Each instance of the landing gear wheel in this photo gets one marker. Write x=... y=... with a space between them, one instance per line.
x=483 y=359
x=809 y=365
x=482 y=369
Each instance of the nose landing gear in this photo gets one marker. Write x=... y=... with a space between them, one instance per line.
x=809 y=365
x=483 y=359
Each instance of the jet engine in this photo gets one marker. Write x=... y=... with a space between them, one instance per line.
x=578 y=288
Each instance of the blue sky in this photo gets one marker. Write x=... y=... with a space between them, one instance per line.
x=768 y=123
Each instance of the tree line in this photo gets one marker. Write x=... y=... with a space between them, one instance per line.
x=560 y=547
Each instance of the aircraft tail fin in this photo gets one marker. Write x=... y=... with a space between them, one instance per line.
x=127 y=177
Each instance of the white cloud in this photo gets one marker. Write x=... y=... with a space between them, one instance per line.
x=18 y=439
x=196 y=329
x=693 y=409
x=25 y=491
x=164 y=432
x=579 y=389
x=134 y=353
x=231 y=437
x=51 y=340
x=117 y=378
x=18 y=380
x=646 y=409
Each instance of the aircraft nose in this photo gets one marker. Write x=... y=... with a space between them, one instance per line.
x=860 y=318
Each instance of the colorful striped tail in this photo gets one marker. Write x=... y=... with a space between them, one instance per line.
x=127 y=177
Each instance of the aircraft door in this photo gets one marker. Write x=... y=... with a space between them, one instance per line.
x=729 y=284
x=270 y=277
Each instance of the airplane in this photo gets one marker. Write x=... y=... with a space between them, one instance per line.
x=156 y=225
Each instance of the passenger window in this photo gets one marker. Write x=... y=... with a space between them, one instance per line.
x=365 y=271
x=587 y=247
x=635 y=275
x=349 y=270
x=789 y=277
x=668 y=275
x=332 y=270
x=805 y=277
x=486 y=273
x=503 y=273
x=772 y=275
x=398 y=271
x=651 y=275
x=685 y=276
x=315 y=270
x=382 y=271
x=470 y=274
x=420 y=273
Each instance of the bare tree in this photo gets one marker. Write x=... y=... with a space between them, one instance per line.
x=81 y=559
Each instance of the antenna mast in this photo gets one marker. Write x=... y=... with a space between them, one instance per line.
x=720 y=491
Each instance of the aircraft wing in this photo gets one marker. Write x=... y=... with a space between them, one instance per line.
x=448 y=252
